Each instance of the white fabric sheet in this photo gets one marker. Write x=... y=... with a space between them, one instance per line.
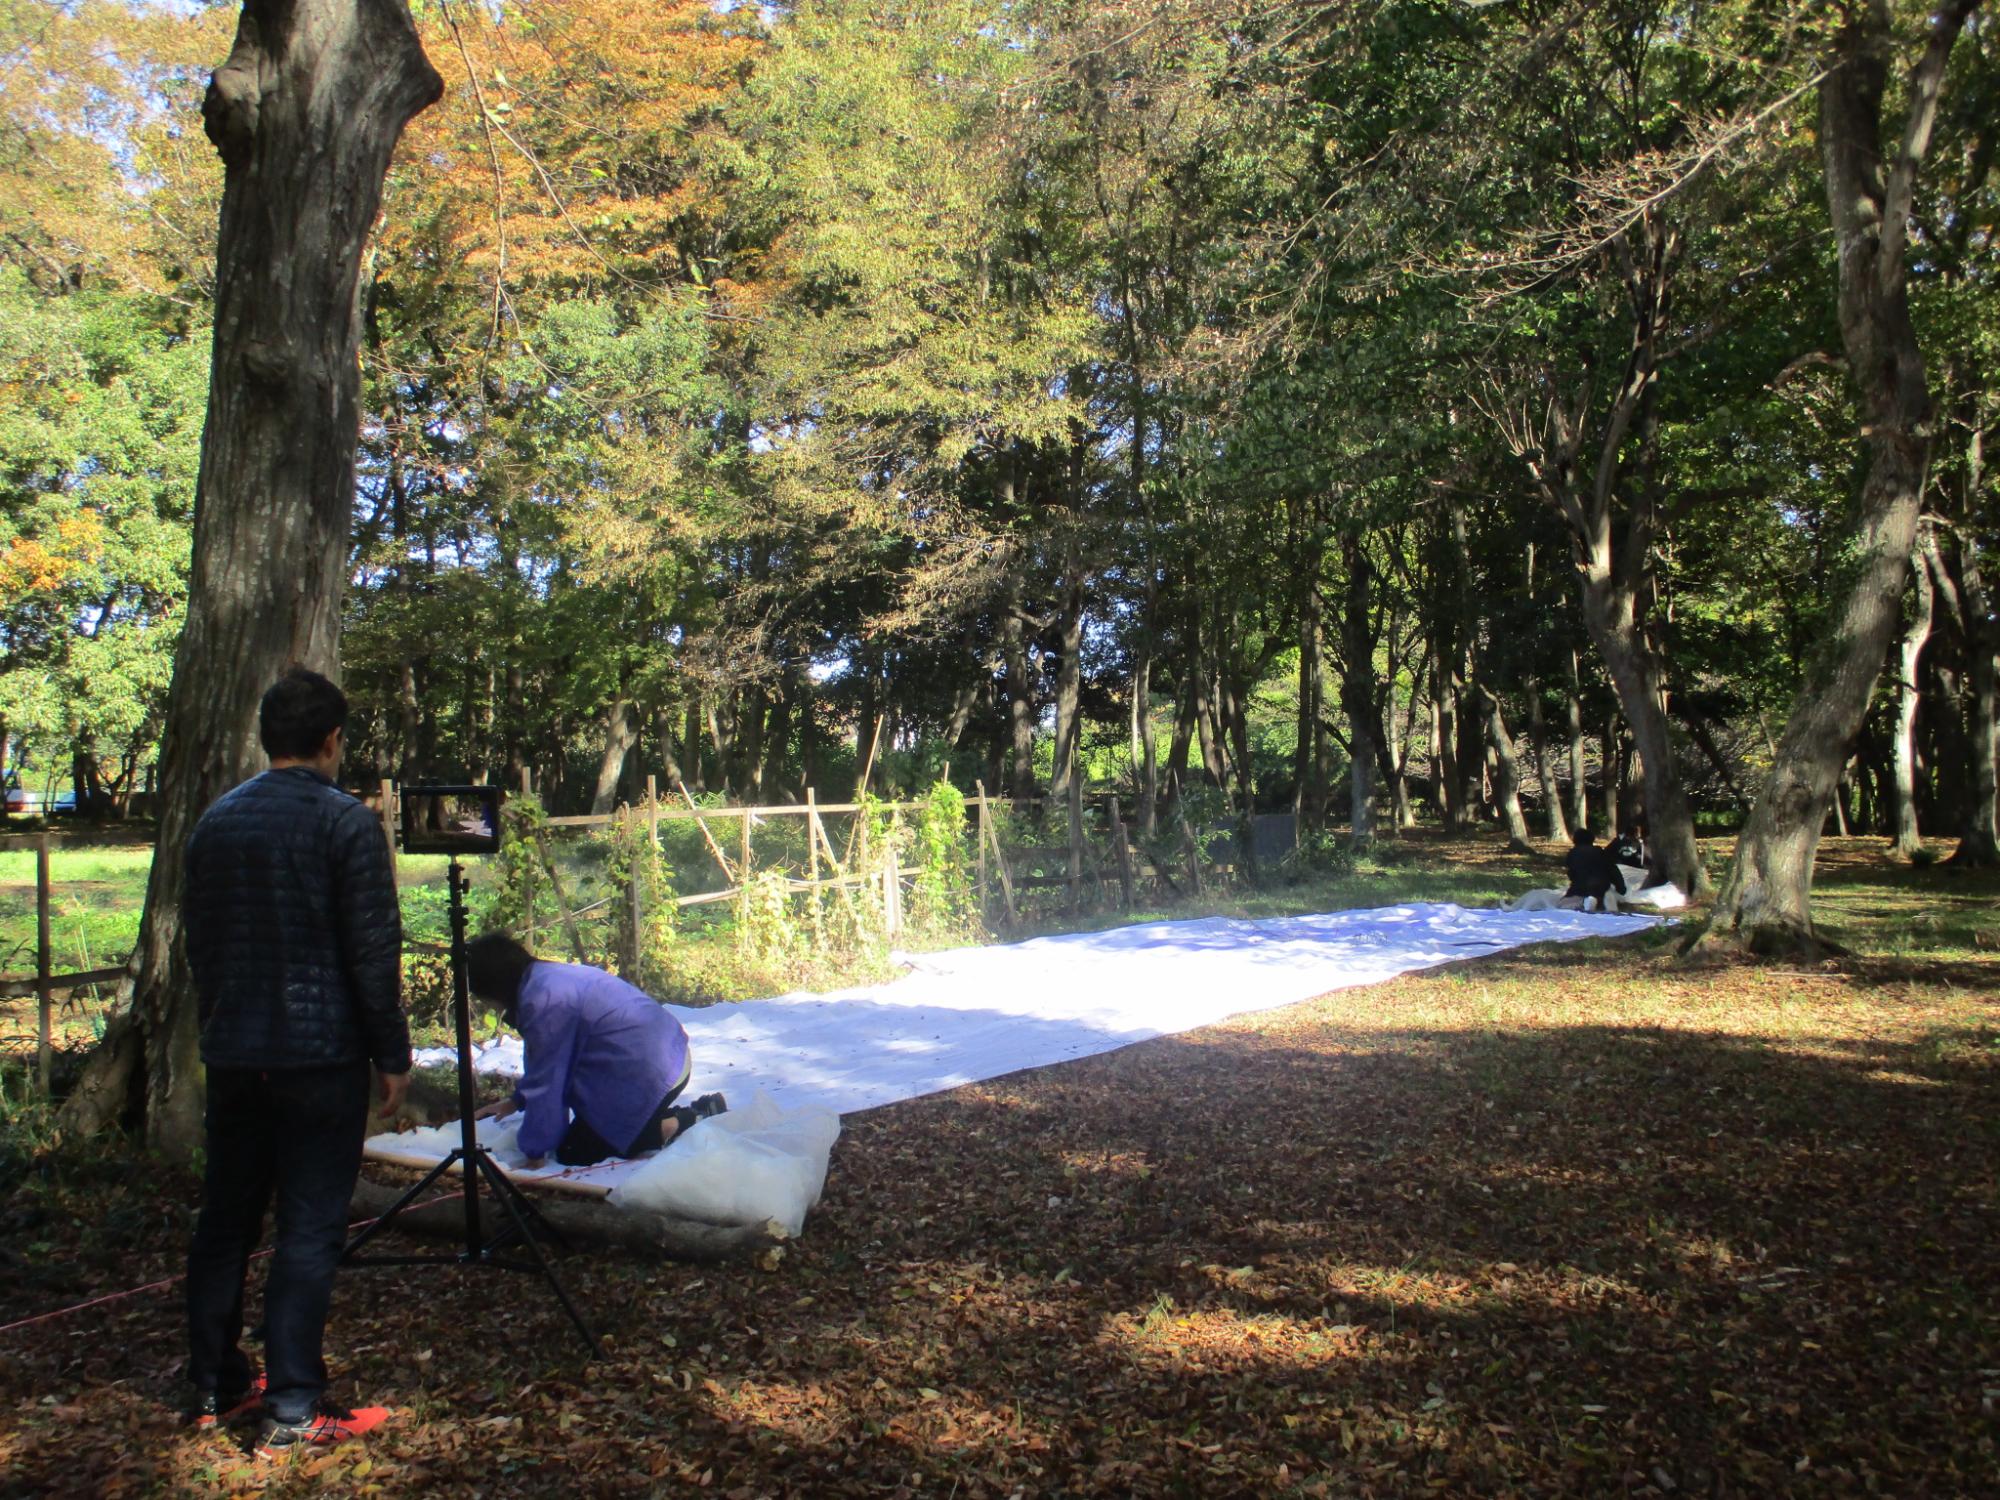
x=975 y=1013
x=1666 y=896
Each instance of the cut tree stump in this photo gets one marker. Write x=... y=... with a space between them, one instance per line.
x=588 y=1222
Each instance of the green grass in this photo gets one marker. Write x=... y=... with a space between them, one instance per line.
x=1863 y=899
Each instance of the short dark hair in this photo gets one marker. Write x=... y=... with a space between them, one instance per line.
x=495 y=965
x=299 y=711
x=1583 y=835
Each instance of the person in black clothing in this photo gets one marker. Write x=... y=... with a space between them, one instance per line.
x=295 y=938
x=1628 y=849
x=1591 y=870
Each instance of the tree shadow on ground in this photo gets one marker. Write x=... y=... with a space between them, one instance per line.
x=1277 y=1256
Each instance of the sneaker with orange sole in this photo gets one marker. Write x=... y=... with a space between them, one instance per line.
x=213 y=1408
x=328 y=1425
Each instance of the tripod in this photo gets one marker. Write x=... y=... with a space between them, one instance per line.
x=477 y=1164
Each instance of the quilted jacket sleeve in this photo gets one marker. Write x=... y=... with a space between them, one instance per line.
x=371 y=936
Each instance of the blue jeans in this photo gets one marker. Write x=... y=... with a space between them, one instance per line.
x=294 y=1134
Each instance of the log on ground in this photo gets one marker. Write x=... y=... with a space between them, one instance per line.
x=588 y=1223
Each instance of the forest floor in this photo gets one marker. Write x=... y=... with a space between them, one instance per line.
x=1570 y=1220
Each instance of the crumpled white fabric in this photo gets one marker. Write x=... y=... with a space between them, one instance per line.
x=755 y=1162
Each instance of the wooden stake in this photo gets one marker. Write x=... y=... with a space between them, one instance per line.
x=638 y=941
x=979 y=842
x=653 y=809
x=825 y=842
x=1000 y=864
x=1075 y=836
x=812 y=838
x=562 y=900
x=708 y=838
x=1193 y=849
x=812 y=862
x=44 y=1040
x=1122 y=850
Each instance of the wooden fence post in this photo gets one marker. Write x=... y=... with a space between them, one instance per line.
x=44 y=1040
x=1000 y=864
x=653 y=810
x=638 y=915
x=1193 y=853
x=1075 y=835
x=743 y=859
x=812 y=867
x=980 y=842
x=1122 y=850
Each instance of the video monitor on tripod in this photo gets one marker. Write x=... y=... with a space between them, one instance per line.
x=451 y=819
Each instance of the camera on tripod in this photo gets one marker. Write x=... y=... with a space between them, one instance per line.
x=455 y=821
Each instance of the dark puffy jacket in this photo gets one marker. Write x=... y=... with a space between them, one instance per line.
x=1591 y=871
x=293 y=929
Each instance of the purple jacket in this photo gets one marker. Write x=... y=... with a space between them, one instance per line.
x=595 y=1045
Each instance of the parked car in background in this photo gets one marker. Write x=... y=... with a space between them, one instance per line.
x=23 y=802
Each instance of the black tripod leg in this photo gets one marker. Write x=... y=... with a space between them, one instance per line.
x=524 y=1206
x=370 y=1231
x=507 y=1193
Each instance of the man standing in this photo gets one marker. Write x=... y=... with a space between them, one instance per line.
x=295 y=938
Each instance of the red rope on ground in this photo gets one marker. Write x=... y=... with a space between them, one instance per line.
x=154 y=1286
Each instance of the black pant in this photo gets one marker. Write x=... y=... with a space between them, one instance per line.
x=582 y=1147
x=295 y=1133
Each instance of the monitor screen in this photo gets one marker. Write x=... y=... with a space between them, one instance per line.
x=451 y=819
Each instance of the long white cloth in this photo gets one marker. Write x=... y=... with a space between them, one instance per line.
x=969 y=1014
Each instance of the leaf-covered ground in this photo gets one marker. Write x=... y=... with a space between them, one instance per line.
x=1565 y=1221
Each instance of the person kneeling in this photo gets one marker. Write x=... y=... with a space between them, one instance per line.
x=605 y=1060
x=1592 y=875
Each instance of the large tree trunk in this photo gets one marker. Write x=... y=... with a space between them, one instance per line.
x=1579 y=799
x=1909 y=656
x=1580 y=464
x=1149 y=752
x=1444 y=748
x=305 y=113
x=1020 y=699
x=1979 y=840
x=691 y=746
x=1538 y=737
x=621 y=733
x=1556 y=825
x=1358 y=693
x=1506 y=771
x=1184 y=726
x=1765 y=903
x=1069 y=689
x=1637 y=675
x=1979 y=834
x=1308 y=782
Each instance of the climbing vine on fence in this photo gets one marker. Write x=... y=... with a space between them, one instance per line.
x=522 y=824
x=642 y=893
x=941 y=897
